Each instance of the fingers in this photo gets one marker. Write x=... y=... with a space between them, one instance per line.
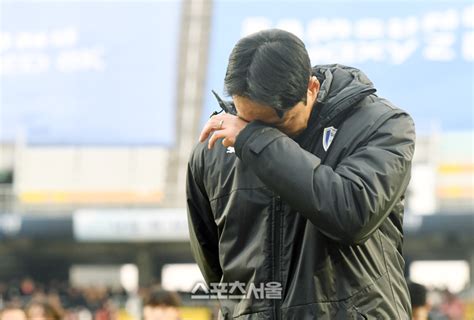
x=215 y=135
x=224 y=126
x=226 y=142
x=211 y=125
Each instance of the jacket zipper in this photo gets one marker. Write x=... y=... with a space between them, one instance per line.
x=277 y=253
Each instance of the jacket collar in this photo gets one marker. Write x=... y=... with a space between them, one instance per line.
x=342 y=88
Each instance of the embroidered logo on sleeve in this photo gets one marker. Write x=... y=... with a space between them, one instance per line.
x=328 y=136
x=230 y=150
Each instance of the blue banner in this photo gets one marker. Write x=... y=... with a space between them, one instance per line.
x=89 y=72
x=419 y=54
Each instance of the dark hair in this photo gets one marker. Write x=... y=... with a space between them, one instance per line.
x=271 y=67
x=417 y=294
x=160 y=297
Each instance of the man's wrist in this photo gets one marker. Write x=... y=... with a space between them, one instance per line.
x=245 y=134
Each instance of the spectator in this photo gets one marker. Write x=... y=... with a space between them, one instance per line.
x=452 y=306
x=42 y=310
x=161 y=305
x=419 y=304
x=12 y=312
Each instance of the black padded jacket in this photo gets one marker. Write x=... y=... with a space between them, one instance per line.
x=321 y=214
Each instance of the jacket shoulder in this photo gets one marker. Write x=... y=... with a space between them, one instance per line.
x=196 y=158
x=377 y=110
x=203 y=161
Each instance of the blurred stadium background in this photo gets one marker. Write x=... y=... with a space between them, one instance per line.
x=102 y=101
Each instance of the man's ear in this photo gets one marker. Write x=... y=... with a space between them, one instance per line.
x=313 y=88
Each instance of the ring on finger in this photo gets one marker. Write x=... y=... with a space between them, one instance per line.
x=220 y=124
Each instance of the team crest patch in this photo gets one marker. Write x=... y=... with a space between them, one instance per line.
x=328 y=136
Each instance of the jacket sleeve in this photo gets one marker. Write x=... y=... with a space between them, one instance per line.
x=202 y=228
x=348 y=203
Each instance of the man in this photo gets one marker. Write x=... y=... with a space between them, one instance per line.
x=419 y=302
x=161 y=305
x=312 y=198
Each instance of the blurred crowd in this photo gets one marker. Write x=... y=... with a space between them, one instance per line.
x=28 y=299
x=437 y=304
